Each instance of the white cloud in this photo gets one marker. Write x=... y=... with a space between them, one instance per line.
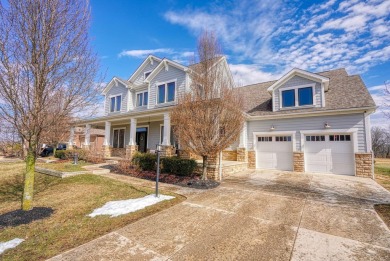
x=382 y=101
x=245 y=74
x=275 y=34
x=144 y=53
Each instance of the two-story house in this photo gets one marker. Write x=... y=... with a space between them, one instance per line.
x=304 y=122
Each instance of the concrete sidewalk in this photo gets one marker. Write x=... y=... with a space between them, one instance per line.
x=263 y=215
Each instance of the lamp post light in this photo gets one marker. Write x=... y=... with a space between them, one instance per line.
x=158 y=168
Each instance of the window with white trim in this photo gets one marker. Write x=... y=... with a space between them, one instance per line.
x=118 y=139
x=297 y=97
x=146 y=74
x=264 y=139
x=342 y=137
x=142 y=99
x=315 y=138
x=283 y=138
x=166 y=92
x=115 y=103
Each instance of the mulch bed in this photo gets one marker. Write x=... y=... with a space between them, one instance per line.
x=193 y=181
x=20 y=217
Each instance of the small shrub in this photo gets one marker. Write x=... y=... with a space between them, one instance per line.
x=69 y=154
x=94 y=157
x=178 y=166
x=146 y=161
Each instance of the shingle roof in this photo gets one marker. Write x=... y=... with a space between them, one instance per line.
x=345 y=92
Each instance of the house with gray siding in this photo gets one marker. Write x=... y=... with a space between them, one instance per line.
x=302 y=122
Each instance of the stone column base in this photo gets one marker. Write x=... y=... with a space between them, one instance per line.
x=106 y=149
x=86 y=147
x=131 y=150
x=242 y=155
x=167 y=150
x=251 y=159
x=299 y=161
x=363 y=164
x=213 y=167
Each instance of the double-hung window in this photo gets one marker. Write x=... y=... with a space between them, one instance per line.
x=296 y=97
x=115 y=103
x=166 y=92
x=142 y=99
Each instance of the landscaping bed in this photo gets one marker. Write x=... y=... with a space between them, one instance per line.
x=59 y=219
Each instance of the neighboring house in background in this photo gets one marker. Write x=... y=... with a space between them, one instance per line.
x=96 y=138
x=305 y=122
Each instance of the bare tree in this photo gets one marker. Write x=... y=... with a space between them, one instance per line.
x=47 y=70
x=387 y=99
x=380 y=138
x=208 y=118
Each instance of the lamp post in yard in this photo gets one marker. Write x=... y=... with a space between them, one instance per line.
x=158 y=168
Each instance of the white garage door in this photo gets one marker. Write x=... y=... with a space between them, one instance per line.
x=329 y=154
x=274 y=152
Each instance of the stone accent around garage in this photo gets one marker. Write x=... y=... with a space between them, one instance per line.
x=230 y=155
x=363 y=165
x=242 y=155
x=299 y=161
x=251 y=159
x=131 y=150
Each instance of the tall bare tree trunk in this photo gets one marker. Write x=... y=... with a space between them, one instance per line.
x=29 y=179
x=204 y=169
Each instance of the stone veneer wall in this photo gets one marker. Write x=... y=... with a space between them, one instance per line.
x=363 y=164
x=229 y=155
x=106 y=151
x=242 y=155
x=251 y=159
x=118 y=152
x=299 y=161
x=130 y=151
x=213 y=167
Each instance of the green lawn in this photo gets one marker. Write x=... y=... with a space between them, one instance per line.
x=382 y=176
x=71 y=199
x=65 y=166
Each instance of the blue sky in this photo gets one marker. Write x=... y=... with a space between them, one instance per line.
x=262 y=39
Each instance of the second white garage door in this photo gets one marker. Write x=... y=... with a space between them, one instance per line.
x=274 y=152
x=329 y=154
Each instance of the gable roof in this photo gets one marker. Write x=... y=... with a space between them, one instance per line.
x=115 y=81
x=298 y=72
x=164 y=64
x=345 y=92
x=151 y=59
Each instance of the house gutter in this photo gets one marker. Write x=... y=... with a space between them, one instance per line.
x=368 y=110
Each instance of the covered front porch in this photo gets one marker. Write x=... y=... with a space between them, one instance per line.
x=127 y=135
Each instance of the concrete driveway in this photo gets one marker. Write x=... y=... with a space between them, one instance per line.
x=258 y=215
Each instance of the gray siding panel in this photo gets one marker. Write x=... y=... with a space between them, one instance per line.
x=165 y=76
x=140 y=77
x=154 y=134
x=297 y=81
x=116 y=90
x=310 y=123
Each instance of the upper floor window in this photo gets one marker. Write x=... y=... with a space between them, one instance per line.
x=297 y=97
x=115 y=103
x=146 y=74
x=166 y=92
x=142 y=99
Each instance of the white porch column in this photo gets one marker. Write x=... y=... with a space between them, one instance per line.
x=87 y=134
x=107 y=133
x=133 y=131
x=243 y=136
x=71 y=137
x=167 y=130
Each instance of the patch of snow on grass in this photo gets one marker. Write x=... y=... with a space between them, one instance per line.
x=121 y=207
x=10 y=244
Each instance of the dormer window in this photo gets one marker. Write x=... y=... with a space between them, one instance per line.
x=142 y=99
x=297 y=96
x=115 y=103
x=146 y=74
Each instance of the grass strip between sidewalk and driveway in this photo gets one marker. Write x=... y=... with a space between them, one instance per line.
x=71 y=200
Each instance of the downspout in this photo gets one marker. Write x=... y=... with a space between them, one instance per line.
x=220 y=166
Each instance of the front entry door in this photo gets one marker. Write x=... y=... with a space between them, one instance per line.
x=141 y=138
